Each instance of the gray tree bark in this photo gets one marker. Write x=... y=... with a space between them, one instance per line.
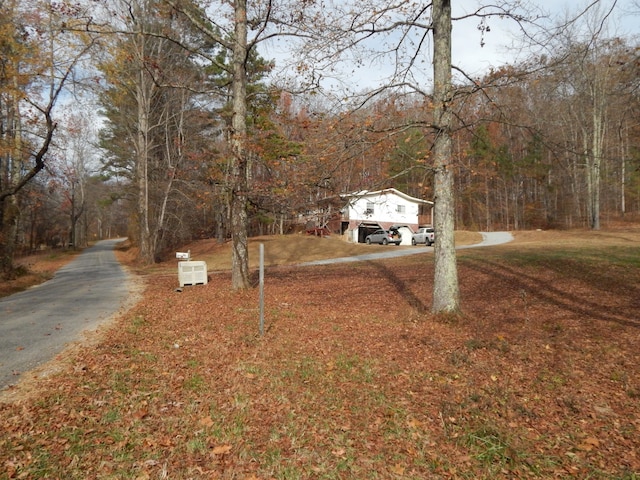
x=446 y=292
x=240 y=168
x=143 y=98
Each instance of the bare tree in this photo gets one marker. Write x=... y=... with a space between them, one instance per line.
x=239 y=169
x=589 y=72
x=148 y=106
x=229 y=32
x=446 y=292
x=31 y=82
x=403 y=35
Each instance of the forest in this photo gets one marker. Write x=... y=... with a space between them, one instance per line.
x=167 y=120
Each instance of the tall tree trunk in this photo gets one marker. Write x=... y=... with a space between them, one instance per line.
x=142 y=171
x=173 y=152
x=12 y=136
x=446 y=293
x=594 y=162
x=143 y=94
x=9 y=222
x=240 y=168
x=73 y=219
x=623 y=140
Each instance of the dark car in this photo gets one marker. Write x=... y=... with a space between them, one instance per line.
x=383 y=237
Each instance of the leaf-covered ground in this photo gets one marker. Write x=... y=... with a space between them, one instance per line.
x=35 y=269
x=354 y=378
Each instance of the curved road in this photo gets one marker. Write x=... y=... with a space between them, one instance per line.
x=37 y=324
x=488 y=239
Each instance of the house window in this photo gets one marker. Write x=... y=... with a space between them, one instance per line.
x=401 y=209
x=369 y=210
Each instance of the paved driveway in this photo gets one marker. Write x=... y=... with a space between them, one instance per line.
x=38 y=323
x=488 y=239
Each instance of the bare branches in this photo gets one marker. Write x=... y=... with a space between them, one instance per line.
x=56 y=86
x=387 y=45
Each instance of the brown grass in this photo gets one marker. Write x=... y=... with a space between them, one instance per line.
x=288 y=250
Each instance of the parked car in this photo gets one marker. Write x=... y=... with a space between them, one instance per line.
x=384 y=236
x=426 y=235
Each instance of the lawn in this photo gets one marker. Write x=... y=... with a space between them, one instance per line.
x=354 y=377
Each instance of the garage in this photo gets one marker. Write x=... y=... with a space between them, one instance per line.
x=365 y=229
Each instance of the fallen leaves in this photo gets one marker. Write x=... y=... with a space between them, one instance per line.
x=141 y=414
x=206 y=422
x=221 y=450
x=346 y=380
x=589 y=444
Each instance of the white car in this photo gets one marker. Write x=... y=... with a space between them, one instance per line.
x=426 y=235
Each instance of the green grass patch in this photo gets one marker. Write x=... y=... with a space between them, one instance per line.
x=490 y=446
x=136 y=324
x=195 y=383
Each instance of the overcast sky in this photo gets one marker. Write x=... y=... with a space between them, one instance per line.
x=466 y=38
x=500 y=44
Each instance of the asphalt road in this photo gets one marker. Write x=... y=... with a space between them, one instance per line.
x=37 y=324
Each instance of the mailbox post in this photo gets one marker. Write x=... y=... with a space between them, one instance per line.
x=191 y=272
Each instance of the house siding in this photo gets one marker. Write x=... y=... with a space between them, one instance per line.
x=384 y=208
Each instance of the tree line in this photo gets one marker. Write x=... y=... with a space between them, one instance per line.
x=196 y=133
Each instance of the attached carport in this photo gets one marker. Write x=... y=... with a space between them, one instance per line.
x=406 y=232
x=365 y=228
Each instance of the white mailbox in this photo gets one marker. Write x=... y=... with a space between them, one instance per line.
x=192 y=273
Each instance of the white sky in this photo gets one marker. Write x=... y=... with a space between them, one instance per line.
x=500 y=44
x=467 y=52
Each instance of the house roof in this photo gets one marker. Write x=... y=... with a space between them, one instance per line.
x=377 y=193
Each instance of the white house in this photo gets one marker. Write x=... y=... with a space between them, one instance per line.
x=367 y=211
